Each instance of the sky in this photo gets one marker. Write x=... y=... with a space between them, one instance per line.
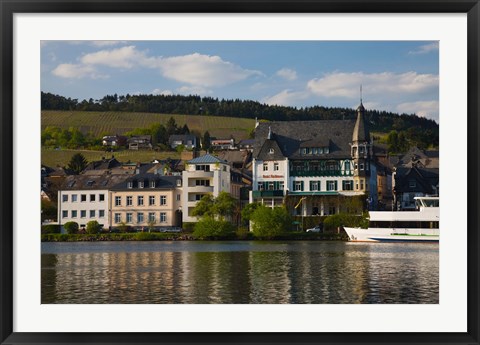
x=397 y=76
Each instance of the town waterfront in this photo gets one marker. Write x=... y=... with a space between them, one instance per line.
x=233 y=272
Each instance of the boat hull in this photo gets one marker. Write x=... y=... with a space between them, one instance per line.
x=392 y=235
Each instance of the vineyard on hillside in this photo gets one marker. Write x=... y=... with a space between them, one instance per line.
x=103 y=123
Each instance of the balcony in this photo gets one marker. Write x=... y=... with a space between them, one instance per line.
x=200 y=189
x=267 y=193
x=306 y=173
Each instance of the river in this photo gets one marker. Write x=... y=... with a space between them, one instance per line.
x=239 y=272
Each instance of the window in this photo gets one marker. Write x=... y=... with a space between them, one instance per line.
x=198 y=197
x=92 y=213
x=314 y=151
x=361 y=184
x=118 y=201
x=64 y=214
x=139 y=217
x=276 y=166
x=140 y=184
x=64 y=198
x=152 y=184
x=271 y=151
x=265 y=166
x=101 y=197
x=101 y=213
x=331 y=210
x=140 y=200
x=314 y=185
x=361 y=149
x=83 y=214
x=298 y=186
x=356 y=186
x=331 y=185
x=163 y=217
x=129 y=184
x=347 y=166
x=163 y=200
x=361 y=166
x=202 y=183
x=118 y=217
x=356 y=166
x=326 y=150
x=178 y=197
x=74 y=214
x=92 y=197
x=367 y=166
x=74 y=197
x=179 y=183
x=347 y=185
x=129 y=217
x=129 y=200
x=320 y=150
x=151 y=217
x=83 y=197
x=151 y=200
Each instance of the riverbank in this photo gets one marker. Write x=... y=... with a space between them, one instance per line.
x=155 y=236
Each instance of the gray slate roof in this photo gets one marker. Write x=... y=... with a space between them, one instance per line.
x=290 y=136
x=161 y=182
x=87 y=182
x=206 y=159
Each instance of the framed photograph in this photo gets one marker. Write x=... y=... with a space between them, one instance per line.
x=239 y=172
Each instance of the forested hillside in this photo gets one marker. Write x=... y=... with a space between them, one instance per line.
x=405 y=130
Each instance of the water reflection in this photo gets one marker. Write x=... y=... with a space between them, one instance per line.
x=239 y=272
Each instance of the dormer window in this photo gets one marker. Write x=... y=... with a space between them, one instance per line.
x=140 y=184
x=179 y=183
x=326 y=150
x=152 y=184
x=129 y=184
x=271 y=151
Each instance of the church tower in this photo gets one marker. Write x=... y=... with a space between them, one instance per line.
x=361 y=151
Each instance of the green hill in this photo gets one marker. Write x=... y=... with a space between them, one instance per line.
x=121 y=122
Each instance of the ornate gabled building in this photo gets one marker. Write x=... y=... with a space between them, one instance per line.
x=314 y=167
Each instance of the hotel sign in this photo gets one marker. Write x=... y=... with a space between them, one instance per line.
x=272 y=176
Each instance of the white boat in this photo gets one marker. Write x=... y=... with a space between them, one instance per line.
x=402 y=226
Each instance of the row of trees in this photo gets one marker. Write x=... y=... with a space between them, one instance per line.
x=71 y=138
x=417 y=129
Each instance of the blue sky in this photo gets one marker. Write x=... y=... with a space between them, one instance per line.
x=398 y=76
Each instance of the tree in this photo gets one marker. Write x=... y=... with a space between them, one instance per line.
x=71 y=227
x=206 y=141
x=171 y=126
x=268 y=222
x=224 y=205
x=248 y=210
x=93 y=227
x=77 y=163
x=211 y=228
x=204 y=207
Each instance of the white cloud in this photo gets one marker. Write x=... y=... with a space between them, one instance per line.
x=106 y=43
x=425 y=49
x=203 y=70
x=286 y=98
x=161 y=92
x=125 y=57
x=287 y=73
x=347 y=85
x=77 y=71
x=428 y=109
x=194 y=90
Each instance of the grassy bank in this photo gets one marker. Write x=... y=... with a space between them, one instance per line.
x=53 y=158
x=146 y=236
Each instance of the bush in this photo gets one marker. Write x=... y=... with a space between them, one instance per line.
x=335 y=221
x=71 y=227
x=269 y=223
x=210 y=228
x=93 y=227
x=188 y=226
x=51 y=229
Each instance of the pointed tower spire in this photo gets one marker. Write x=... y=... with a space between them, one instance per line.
x=360 y=131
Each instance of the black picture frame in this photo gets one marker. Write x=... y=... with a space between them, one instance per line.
x=9 y=7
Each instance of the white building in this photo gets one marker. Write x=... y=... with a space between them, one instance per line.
x=85 y=198
x=203 y=175
x=313 y=166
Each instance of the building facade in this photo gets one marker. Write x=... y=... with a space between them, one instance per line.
x=314 y=167
x=203 y=175
x=85 y=198
x=146 y=201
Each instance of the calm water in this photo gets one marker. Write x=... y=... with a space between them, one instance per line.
x=239 y=272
